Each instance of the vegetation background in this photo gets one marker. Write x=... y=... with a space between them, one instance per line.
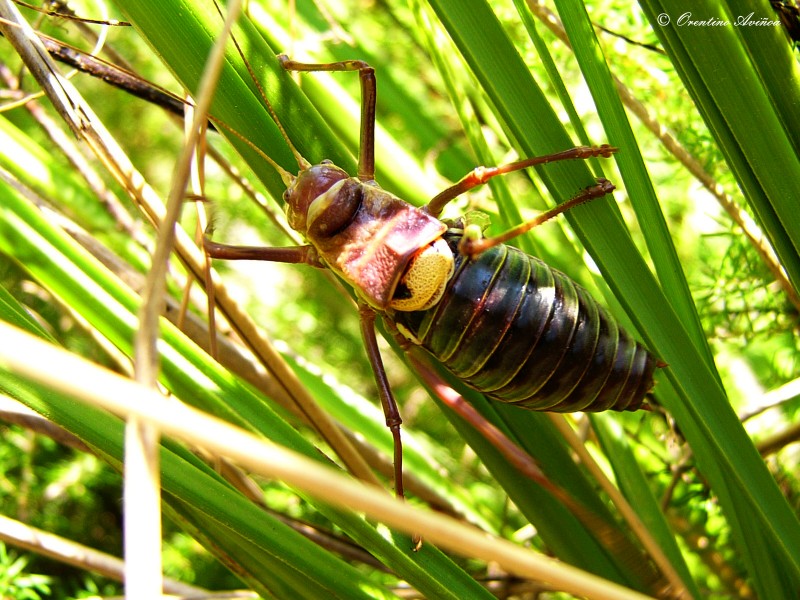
x=697 y=252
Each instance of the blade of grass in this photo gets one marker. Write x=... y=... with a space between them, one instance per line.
x=716 y=438
x=276 y=546
x=760 y=153
x=71 y=275
x=739 y=113
x=273 y=461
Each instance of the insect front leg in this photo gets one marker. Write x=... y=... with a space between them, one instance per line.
x=288 y=254
x=366 y=153
x=472 y=244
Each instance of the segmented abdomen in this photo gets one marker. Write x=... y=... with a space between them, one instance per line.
x=521 y=332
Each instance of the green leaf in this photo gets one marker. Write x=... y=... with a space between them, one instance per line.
x=424 y=81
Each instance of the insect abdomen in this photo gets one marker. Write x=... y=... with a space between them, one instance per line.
x=524 y=333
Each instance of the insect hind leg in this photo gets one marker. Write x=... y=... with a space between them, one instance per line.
x=390 y=410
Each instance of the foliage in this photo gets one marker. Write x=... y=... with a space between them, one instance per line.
x=15 y=582
x=456 y=88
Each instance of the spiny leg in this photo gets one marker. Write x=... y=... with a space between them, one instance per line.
x=471 y=245
x=390 y=411
x=366 y=74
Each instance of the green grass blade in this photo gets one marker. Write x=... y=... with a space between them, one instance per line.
x=746 y=114
x=726 y=493
x=72 y=275
x=11 y=311
x=211 y=500
x=710 y=425
x=761 y=153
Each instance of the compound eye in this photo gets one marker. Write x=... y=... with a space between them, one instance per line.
x=335 y=209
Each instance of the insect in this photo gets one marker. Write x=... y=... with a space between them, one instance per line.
x=411 y=298
x=504 y=322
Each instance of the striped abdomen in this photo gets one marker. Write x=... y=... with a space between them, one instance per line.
x=521 y=332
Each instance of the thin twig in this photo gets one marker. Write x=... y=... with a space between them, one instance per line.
x=72 y=553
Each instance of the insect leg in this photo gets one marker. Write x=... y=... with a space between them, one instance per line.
x=481 y=175
x=607 y=534
x=289 y=254
x=473 y=243
x=513 y=453
x=390 y=411
x=366 y=154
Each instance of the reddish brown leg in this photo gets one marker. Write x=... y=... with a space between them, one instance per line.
x=481 y=175
x=390 y=411
x=513 y=453
x=606 y=533
x=289 y=254
x=366 y=156
x=472 y=245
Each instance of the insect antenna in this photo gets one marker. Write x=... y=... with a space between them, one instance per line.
x=286 y=177
x=302 y=163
